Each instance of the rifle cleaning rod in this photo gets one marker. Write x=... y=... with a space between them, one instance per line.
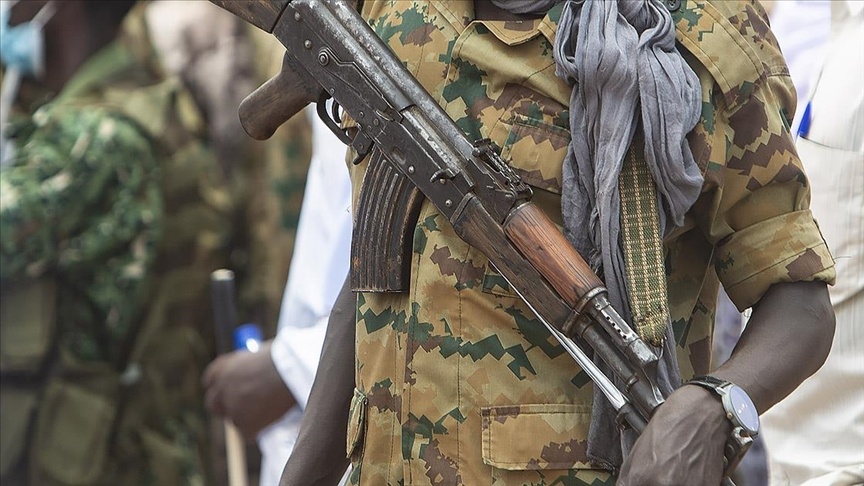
x=612 y=393
x=616 y=398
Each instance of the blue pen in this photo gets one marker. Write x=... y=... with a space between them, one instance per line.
x=248 y=337
x=804 y=126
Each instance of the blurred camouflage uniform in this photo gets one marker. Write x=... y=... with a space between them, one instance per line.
x=457 y=383
x=118 y=206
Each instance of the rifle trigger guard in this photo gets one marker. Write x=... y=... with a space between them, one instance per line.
x=329 y=120
x=361 y=143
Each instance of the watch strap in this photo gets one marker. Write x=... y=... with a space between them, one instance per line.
x=709 y=382
x=737 y=444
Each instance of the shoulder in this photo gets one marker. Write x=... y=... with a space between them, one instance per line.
x=65 y=143
x=100 y=128
x=732 y=40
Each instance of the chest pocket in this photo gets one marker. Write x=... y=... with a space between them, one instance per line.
x=536 y=150
x=555 y=449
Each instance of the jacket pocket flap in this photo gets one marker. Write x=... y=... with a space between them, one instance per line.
x=544 y=436
x=536 y=150
x=356 y=422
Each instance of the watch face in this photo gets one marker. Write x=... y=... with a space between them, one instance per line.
x=744 y=409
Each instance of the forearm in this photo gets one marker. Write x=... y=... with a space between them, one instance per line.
x=319 y=456
x=787 y=339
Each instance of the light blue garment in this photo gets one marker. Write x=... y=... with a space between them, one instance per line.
x=22 y=52
x=22 y=46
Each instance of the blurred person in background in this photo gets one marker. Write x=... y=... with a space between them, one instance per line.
x=265 y=393
x=124 y=184
x=275 y=170
x=815 y=437
x=802 y=28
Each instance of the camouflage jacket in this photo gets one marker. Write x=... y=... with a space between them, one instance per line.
x=457 y=383
x=117 y=204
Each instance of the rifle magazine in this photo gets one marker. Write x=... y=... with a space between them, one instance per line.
x=383 y=237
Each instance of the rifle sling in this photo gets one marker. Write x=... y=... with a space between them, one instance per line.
x=643 y=255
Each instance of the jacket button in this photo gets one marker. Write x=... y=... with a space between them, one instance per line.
x=673 y=5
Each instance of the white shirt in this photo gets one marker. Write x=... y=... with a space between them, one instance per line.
x=815 y=437
x=802 y=28
x=319 y=266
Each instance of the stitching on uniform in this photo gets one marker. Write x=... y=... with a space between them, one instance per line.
x=423 y=46
x=777 y=70
x=540 y=412
x=443 y=6
x=459 y=371
x=517 y=40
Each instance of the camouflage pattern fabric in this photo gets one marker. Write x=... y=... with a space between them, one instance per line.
x=457 y=383
x=117 y=199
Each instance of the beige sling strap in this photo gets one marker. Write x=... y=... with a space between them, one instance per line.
x=643 y=254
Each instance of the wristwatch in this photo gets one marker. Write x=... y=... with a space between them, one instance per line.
x=740 y=411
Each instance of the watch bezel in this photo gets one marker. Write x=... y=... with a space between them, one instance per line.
x=733 y=397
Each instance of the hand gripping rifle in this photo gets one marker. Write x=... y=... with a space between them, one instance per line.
x=419 y=151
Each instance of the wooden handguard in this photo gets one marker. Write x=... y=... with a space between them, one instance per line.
x=382 y=241
x=548 y=250
x=480 y=230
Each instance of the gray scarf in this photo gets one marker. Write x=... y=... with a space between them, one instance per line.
x=621 y=60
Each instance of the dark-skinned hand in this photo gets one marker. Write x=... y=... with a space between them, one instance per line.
x=683 y=443
x=246 y=388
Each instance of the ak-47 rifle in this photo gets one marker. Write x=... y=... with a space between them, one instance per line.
x=419 y=151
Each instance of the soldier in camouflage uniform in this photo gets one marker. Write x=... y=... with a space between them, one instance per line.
x=459 y=412
x=456 y=381
x=116 y=208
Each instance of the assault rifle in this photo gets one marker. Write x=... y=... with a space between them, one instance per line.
x=419 y=152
